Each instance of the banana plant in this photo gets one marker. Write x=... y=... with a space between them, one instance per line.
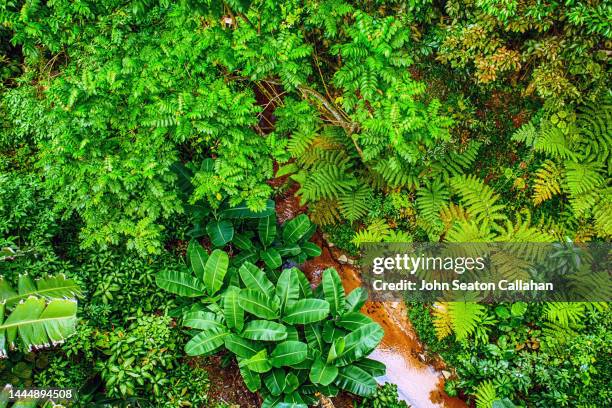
x=41 y=312
x=290 y=341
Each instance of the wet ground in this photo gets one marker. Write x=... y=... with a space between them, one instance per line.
x=419 y=383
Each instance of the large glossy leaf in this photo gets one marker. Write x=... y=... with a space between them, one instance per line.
x=259 y=304
x=180 y=283
x=243 y=211
x=37 y=323
x=321 y=373
x=356 y=299
x=202 y=321
x=206 y=342
x=295 y=229
x=266 y=229
x=197 y=258
x=271 y=401
x=258 y=363
x=285 y=404
x=336 y=349
x=272 y=258
x=220 y=232
x=289 y=353
x=288 y=287
x=241 y=347
x=50 y=287
x=331 y=332
x=306 y=311
x=314 y=337
x=215 y=270
x=264 y=330
x=333 y=290
x=360 y=343
x=251 y=379
x=305 y=288
x=375 y=368
x=275 y=381
x=255 y=278
x=311 y=249
x=357 y=381
x=353 y=320
x=233 y=312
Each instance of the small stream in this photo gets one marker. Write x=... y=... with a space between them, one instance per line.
x=419 y=383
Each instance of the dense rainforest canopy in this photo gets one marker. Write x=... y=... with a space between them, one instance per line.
x=129 y=128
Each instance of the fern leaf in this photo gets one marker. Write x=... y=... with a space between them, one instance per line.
x=485 y=395
x=354 y=204
x=465 y=317
x=564 y=313
x=324 y=212
x=442 y=320
x=546 y=184
x=430 y=200
x=480 y=199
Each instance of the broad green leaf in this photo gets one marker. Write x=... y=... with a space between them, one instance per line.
x=292 y=334
x=356 y=299
x=215 y=270
x=197 y=258
x=285 y=404
x=331 y=332
x=333 y=290
x=271 y=401
x=272 y=258
x=233 y=312
x=245 y=256
x=355 y=380
x=288 y=287
x=205 y=343
x=275 y=381
x=243 y=242
x=37 y=323
x=375 y=368
x=180 y=283
x=289 y=353
x=360 y=343
x=353 y=320
x=258 y=363
x=202 y=321
x=243 y=211
x=314 y=337
x=321 y=373
x=311 y=249
x=241 y=347
x=306 y=311
x=220 y=232
x=251 y=379
x=264 y=330
x=259 y=304
x=336 y=349
x=266 y=230
x=292 y=382
x=305 y=288
x=295 y=229
x=49 y=287
x=255 y=278
x=290 y=250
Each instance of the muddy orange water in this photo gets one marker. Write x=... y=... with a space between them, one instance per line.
x=419 y=383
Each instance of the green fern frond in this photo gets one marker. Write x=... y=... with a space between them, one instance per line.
x=485 y=394
x=431 y=199
x=583 y=177
x=455 y=163
x=327 y=181
x=465 y=317
x=594 y=123
x=552 y=142
x=375 y=232
x=564 y=313
x=526 y=134
x=602 y=214
x=470 y=231
x=480 y=199
x=354 y=204
x=394 y=174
